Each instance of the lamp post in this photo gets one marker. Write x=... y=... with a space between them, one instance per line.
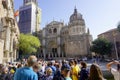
x=116 y=52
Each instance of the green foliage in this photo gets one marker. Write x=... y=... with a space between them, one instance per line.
x=118 y=27
x=28 y=43
x=101 y=46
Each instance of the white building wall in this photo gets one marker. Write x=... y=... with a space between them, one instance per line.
x=33 y=18
x=1 y=50
x=8 y=26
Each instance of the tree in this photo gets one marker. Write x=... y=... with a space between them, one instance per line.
x=101 y=46
x=28 y=43
x=118 y=27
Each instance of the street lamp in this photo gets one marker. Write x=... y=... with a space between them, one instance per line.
x=114 y=38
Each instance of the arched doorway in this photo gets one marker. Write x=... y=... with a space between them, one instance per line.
x=52 y=49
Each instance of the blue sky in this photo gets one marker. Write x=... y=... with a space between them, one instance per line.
x=99 y=15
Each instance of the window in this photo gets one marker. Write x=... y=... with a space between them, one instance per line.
x=4 y=3
x=55 y=30
x=25 y=15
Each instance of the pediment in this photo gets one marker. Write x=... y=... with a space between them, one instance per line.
x=54 y=23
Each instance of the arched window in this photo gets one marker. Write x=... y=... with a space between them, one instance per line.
x=55 y=30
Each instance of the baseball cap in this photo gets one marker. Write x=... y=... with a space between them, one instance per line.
x=66 y=67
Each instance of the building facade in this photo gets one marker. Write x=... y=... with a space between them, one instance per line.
x=29 y=17
x=71 y=40
x=9 y=32
x=113 y=36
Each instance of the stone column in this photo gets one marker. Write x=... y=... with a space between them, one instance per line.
x=11 y=46
x=58 y=51
x=11 y=41
x=7 y=43
x=58 y=48
x=14 y=54
x=1 y=50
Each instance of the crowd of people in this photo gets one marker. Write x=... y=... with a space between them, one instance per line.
x=34 y=69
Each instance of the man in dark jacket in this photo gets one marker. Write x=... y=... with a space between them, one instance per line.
x=65 y=73
x=84 y=72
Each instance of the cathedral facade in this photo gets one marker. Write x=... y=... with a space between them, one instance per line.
x=9 y=32
x=71 y=40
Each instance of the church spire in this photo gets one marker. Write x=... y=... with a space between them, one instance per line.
x=75 y=10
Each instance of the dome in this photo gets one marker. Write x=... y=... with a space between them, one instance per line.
x=75 y=16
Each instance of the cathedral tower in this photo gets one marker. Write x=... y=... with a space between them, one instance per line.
x=29 y=17
x=25 y=2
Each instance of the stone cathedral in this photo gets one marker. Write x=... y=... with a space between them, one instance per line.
x=71 y=40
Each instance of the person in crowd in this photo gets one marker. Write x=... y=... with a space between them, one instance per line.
x=83 y=75
x=53 y=68
x=94 y=59
x=36 y=68
x=65 y=73
x=49 y=75
x=27 y=73
x=64 y=62
x=1 y=67
x=42 y=66
x=19 y=65
x=71 y=63
x=12 y=71
x=75 y=70
x=5 y=74
x=95 y=73
x=57 y=65
x=115 y=72
x=51 y=65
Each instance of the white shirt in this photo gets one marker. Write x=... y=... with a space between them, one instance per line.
x=115 y=73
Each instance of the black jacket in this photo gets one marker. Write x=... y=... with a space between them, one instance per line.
x=61 y=77
x=83 y=74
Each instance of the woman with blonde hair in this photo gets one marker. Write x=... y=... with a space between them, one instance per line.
x=95 y=73
x=49 y=75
